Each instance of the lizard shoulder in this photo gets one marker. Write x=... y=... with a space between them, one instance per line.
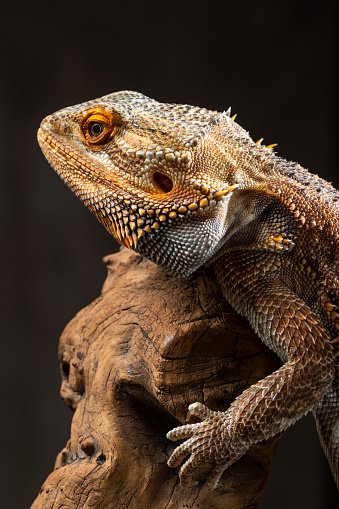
x=259 y=220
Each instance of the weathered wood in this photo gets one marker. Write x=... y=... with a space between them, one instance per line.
x=131 y=363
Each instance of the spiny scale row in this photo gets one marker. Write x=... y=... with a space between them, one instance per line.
x=279 y=243
x=133 y=224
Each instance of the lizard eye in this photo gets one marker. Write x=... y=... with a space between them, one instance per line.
x=98 y=127
x=95 y=129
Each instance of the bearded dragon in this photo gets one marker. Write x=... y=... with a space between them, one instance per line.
x=185 y=186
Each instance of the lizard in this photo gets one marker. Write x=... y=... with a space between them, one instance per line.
x=185 y=187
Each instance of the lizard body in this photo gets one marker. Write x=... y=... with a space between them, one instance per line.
x=185 y=186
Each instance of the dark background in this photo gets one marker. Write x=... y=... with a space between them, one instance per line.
x=273 y=62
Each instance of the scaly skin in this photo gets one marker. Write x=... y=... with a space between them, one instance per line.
x=184 y=187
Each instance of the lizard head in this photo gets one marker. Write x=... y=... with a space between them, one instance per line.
x=149 y=172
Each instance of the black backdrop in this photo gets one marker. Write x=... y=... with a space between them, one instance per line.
x=273 y=62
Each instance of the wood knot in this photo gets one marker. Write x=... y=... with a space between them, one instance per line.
x=88 y=446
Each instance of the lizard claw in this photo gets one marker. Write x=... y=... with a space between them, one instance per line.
x=206 y=443
x=189 y=430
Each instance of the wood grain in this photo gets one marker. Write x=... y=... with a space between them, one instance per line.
x=131 y=363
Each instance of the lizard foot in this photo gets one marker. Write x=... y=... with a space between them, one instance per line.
x=208 y=441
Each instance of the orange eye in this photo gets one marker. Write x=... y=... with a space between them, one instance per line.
x=98 y=127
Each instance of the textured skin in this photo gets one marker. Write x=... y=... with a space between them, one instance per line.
x=185 y=186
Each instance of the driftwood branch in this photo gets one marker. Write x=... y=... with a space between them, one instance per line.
x=131 y=363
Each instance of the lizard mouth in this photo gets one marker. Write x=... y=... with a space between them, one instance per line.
x=99 y=193
x=69 y=162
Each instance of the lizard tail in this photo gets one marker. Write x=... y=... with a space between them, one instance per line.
x=326 y=415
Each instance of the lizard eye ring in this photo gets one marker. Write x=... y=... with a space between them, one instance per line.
x=98 y=127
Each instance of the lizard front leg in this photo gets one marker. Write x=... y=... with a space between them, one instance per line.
x=289 y=327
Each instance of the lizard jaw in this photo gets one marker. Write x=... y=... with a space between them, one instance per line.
x=127 y=216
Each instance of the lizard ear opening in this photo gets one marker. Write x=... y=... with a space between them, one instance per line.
x=162 y=182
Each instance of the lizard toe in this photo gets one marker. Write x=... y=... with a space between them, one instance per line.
x=201 y=411
x=181 y=432
x=213 y=478
x=185 y=473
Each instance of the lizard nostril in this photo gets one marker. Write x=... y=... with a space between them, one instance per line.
x=162 y=182
x=63 y=127
x=56 y=125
